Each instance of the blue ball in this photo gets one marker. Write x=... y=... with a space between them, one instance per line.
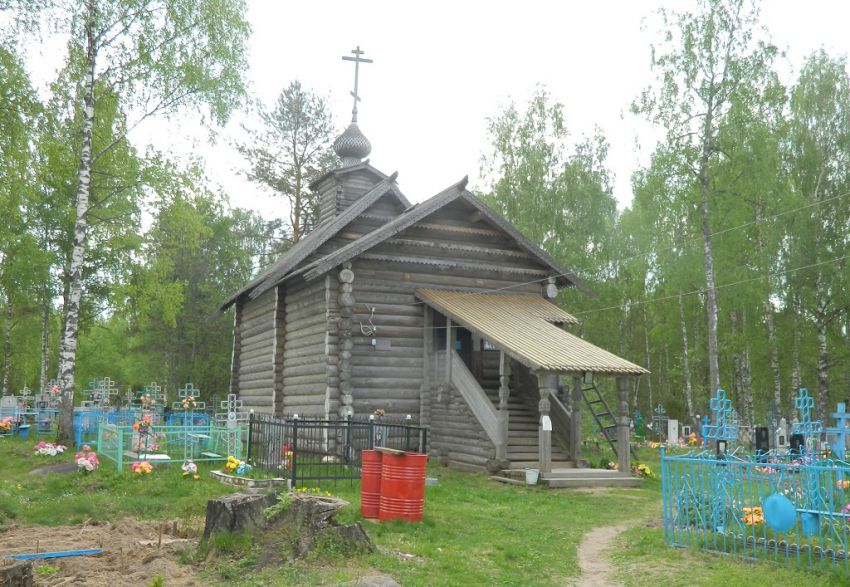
x=779 y=512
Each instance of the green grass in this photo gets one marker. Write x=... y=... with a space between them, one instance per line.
x=54 y=499
x=475 y=532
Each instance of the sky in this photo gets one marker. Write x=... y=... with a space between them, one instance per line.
x=441 y=69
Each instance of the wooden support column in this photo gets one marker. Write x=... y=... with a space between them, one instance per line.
x=427 y=367
x=575 y=420
x=504 y=414
x=547 y=383
x=624 y=457
x=449 y=350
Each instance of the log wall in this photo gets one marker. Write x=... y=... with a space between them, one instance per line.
x=255 y=344
x=305 y=362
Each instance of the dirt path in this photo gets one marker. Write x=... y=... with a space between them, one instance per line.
x=596 y=568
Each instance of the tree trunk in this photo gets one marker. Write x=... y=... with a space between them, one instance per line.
x=711 y=291
x=746 y=384
x=7 y=345
x=821 y=325
x=773 y=350
x=45 y=345
x=646 y=357
x=68 y=347
x=686 y=368
x=796 y=374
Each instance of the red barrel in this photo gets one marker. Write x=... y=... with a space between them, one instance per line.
x=403 y=487
x=370 y=483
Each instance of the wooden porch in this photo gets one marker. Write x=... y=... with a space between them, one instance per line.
x=530 y=409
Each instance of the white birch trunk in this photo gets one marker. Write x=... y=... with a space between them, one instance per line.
x=45 y=344
x=796 y=375
x=7 y=345
x=711 y=291
x=68 y=345
x=821 y=324
x=686 y=367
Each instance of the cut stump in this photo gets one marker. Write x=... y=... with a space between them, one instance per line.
x=298 y=524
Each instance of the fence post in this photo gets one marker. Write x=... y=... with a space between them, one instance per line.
x=294 y=450
x=347 y=448
x=407 y=420
x=250 y=434
x=371 y=433
x=120 y=434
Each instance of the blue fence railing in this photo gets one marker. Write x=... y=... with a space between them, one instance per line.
x=784 y=508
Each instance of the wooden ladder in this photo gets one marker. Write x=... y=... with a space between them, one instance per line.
x=602 y=415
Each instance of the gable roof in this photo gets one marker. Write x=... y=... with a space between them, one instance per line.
x=419 y=211
x=299 y=251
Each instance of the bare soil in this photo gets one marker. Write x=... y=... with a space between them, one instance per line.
x=134 y=552
x=596 y=567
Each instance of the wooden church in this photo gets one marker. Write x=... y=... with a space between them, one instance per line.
x=441 y=310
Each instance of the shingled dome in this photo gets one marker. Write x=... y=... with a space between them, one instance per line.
x=352 y=146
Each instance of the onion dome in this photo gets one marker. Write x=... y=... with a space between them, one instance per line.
x=352 y=146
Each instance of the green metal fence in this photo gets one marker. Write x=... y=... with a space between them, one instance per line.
x=123 y=445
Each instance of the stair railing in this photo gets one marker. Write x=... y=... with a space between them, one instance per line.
x=476 y=398
x=561 y=421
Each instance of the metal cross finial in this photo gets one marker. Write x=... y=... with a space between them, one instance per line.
x=357 y=61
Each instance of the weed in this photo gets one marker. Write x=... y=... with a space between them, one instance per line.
x=47 y=570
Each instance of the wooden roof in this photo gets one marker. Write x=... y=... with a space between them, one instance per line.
x=311 y=241
x=523 y=327
x=418 y=212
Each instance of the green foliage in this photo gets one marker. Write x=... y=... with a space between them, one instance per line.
x=284 y=500
x=47 y=570
x=290 y=150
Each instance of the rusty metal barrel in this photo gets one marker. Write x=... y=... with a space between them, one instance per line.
x=402 y=487
x=370 y=483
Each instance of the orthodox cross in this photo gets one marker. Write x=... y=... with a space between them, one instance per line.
x=233 y=415
x=805 y=426
x=106 y=388
x=25 y=396
x=659 y=421
x=189 y=399
x=723 y=428
x=357 y=61
x=840 y=430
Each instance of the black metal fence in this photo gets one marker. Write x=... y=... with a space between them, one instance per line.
x=309 y=451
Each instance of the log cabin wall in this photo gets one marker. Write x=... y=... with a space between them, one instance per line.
x=305 y=363
x=338 y=193
x=255 y=341
x=442 y=251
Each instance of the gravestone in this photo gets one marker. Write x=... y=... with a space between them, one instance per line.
x=781 y=438
x=672 y=431
x=762 y=443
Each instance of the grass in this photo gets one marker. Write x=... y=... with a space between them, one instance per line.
x=475 y=532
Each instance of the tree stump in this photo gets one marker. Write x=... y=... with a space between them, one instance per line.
x=288 y=527
x=237 y=512
x=17 y=575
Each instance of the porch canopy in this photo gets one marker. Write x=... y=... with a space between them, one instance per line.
x=524 y=326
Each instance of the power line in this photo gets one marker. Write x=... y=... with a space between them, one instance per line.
x=702 y=291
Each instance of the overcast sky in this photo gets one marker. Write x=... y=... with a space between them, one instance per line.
x=442 y=68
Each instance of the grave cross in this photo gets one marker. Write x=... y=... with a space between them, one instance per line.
x=25 y=394
x=659 y=421
x=357 y=61
x=723 y=428
x=189 y=399
x=233 y=415
x=806 y=426
x=842 y=417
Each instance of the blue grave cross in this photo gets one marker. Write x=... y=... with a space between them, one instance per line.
x=806 y=426
x=842 y=417
x=723 y=428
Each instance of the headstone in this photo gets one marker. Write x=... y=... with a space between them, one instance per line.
x=762 y=443
x=781 y=438
x=798 y=444
x=672 y=431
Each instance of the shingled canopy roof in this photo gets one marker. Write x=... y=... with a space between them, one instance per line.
x=523 y=327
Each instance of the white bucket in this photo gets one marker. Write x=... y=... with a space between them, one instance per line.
x=531 y=476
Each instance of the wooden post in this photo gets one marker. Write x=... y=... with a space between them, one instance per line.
x=575 y=418
x=427 y=366
x=624 y=458
x=449 y=350
x=547 y=384
x=504 y=414
x=346 y=344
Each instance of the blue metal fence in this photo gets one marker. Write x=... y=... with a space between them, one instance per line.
x=785 y=508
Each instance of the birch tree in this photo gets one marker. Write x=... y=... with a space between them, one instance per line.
x=704 y=61
x=155 y=57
